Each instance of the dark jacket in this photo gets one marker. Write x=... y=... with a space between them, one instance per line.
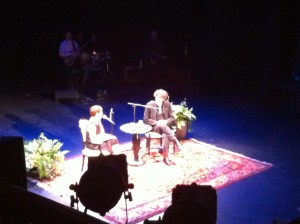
x=150 y=113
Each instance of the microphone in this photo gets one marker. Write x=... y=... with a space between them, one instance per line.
x=134 y=104
x=108 y=119
x=137 y=104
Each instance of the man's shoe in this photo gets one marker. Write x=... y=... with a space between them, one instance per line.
x=166 y=162
x=179 y=146
x=172 y=163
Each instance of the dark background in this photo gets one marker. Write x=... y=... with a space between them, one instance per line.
x=231 y=45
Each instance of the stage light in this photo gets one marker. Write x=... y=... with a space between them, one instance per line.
x=102 y=185
x=191 y=204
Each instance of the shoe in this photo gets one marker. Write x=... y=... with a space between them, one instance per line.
x=166 y=162
x=172 y=163
x=179 y=146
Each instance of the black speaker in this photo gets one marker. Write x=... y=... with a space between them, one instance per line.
x=12 y=161
x=192 y=204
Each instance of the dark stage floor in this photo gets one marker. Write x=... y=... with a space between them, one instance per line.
x=236 y=122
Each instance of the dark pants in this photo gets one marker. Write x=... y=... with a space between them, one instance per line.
x=167 y=137
x=71 y=78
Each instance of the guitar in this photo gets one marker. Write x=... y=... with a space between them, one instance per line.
x=70 y=60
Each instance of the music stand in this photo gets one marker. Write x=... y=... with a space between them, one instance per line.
x=105 y=56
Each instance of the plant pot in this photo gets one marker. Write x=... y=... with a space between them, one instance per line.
x=34 y=173
x=181 y=130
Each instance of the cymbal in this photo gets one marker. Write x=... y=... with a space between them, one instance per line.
x=102 y=53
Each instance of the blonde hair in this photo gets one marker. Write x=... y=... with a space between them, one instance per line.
x=95 y=109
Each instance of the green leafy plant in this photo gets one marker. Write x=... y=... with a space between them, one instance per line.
x=44 y=156
x=183 y=114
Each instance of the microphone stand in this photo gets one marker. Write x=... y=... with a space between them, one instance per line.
x=111 y=116
x=134 y=105
x=134 y=113
x=136 y=141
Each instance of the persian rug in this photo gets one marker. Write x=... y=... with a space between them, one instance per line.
x=201 y=163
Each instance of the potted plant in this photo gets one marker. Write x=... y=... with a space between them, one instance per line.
x=44 y=159
x=184 y=118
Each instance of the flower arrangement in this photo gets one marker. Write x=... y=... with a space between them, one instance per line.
x=44 y=156
x=183 y=115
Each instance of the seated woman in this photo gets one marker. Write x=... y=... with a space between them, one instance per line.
x=96 y=138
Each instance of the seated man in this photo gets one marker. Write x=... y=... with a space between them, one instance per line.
x=159 y=114
x=95 y=134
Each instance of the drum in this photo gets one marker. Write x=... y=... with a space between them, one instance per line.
x=84 y=58
x=98 y=58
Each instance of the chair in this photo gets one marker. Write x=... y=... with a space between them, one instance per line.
x=152 y=136
x=155 y=136
x=86 y=152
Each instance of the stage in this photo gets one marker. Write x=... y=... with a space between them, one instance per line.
x=199 y=163
x=238 y=124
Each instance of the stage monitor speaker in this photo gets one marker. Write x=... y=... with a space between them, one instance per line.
x=192 y=203
x=66 y=95
x=12 y=161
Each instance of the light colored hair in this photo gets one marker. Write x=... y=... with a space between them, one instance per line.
x=160 y=92
x=95 y=109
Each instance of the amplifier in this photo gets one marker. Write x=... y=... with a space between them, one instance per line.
x=66 y=95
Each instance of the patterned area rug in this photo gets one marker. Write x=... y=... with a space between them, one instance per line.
x=153 y=181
